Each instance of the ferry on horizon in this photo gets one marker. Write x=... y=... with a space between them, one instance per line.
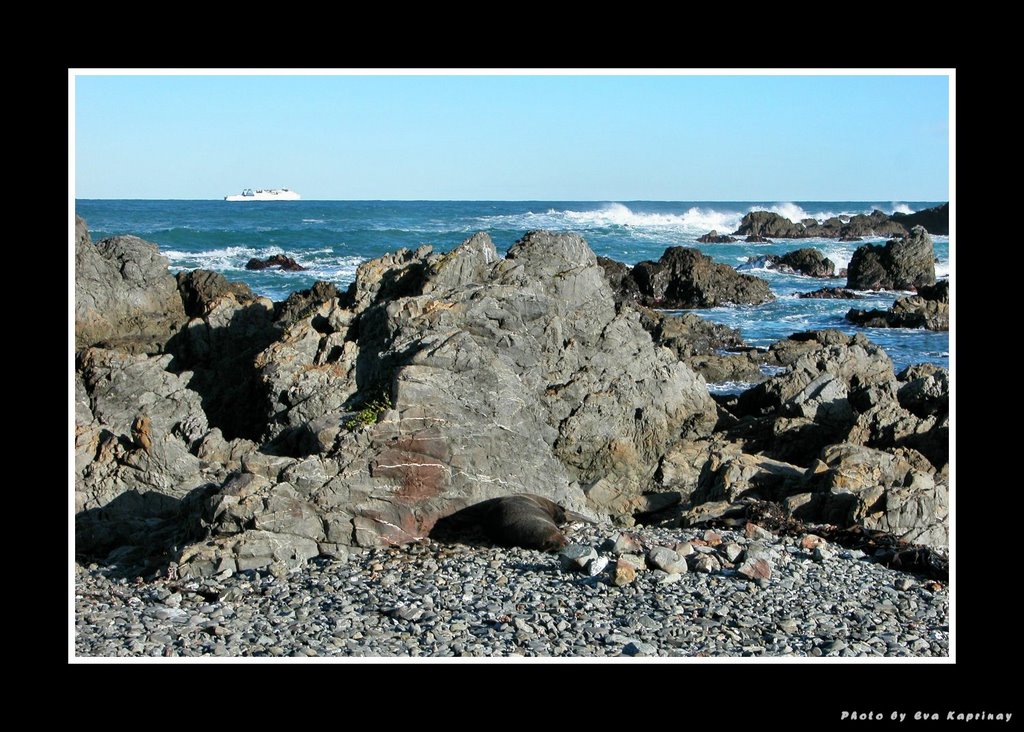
x=264 y=194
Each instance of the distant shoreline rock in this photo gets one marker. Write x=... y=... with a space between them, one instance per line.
x=768 y=224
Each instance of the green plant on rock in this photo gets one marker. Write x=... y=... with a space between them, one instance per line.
x=369 y=414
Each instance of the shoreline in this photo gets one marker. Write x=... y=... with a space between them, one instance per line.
x=480 y=376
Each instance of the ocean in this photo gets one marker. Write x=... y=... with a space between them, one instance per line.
x=331 y=239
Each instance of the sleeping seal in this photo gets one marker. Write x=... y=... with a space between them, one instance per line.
x=526 y=521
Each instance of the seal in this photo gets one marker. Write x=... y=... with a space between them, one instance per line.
x=527 y=521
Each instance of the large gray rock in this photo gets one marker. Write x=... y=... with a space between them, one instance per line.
x=135 y=425
x=124 y=296
x=901 y=264
x=479 y=377
x=896 y=492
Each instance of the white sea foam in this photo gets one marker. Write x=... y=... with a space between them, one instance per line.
x=320 y=263
x=790 y=211
x=694 y=220
x=901 y=208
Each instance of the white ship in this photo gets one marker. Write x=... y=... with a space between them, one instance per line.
x=264 y=194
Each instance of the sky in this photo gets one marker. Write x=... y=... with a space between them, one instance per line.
x=514 y=137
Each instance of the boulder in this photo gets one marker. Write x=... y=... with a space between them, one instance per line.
x=895 y=492
x=686 y=278
x=934 y=220
x=124 y=296
x=901 y=264
x=479 y=377
x=769 y=224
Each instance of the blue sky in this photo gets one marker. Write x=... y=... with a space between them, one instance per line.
x=553 y=137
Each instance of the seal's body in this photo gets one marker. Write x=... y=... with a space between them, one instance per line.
x=526 y=521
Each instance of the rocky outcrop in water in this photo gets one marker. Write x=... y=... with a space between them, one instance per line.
x=905 y=263
x=934 y=220
x=928 y=309
x=757 y=225
x=279 y=261
x=684 y=278
x=713 y=237
x=809 y=262
x=832 y=293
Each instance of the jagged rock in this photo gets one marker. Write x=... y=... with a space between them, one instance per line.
x=934 y=220
x=275 y=260
x=685 y=278
x=894 y=492
x=124 y=296
x=808 y=261
x=688 y=334
x=769 y=224
x=495 y=376
x=902 y=264
x=713 y=237
x=201 y=290
x=924 y=389
x=126 y=479
x=929 y=309
x=747 y=476
x=832 y=293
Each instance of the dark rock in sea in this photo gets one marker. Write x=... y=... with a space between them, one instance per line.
x=769 y=224
x=934 y=220
x=832 y=293
x=901 y=264
x=124 y=295
x=809 y=262
x=275 y=260
x=929 y=309
x=757 y=224
x=685 y=278
x=713 y=237
x=755 y=239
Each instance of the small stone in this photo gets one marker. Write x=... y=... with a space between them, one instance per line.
x=627 y=544
x=666 y=560
x=822 y=553
x=756 y=569
x=173 y=600
x=683 y=549
x=704 y=563
x=636 y=648
x=731 y=551
x=713 y=538
x=636 y=560
x=753 y=531
x=904 y=583
x=595 y=566
x=664 y=578
x=811 y=541
x=575 y=557
x=789 y=625
x=624 y=573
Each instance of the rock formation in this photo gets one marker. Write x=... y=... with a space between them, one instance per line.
x=905 y=263
x=684 y=278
